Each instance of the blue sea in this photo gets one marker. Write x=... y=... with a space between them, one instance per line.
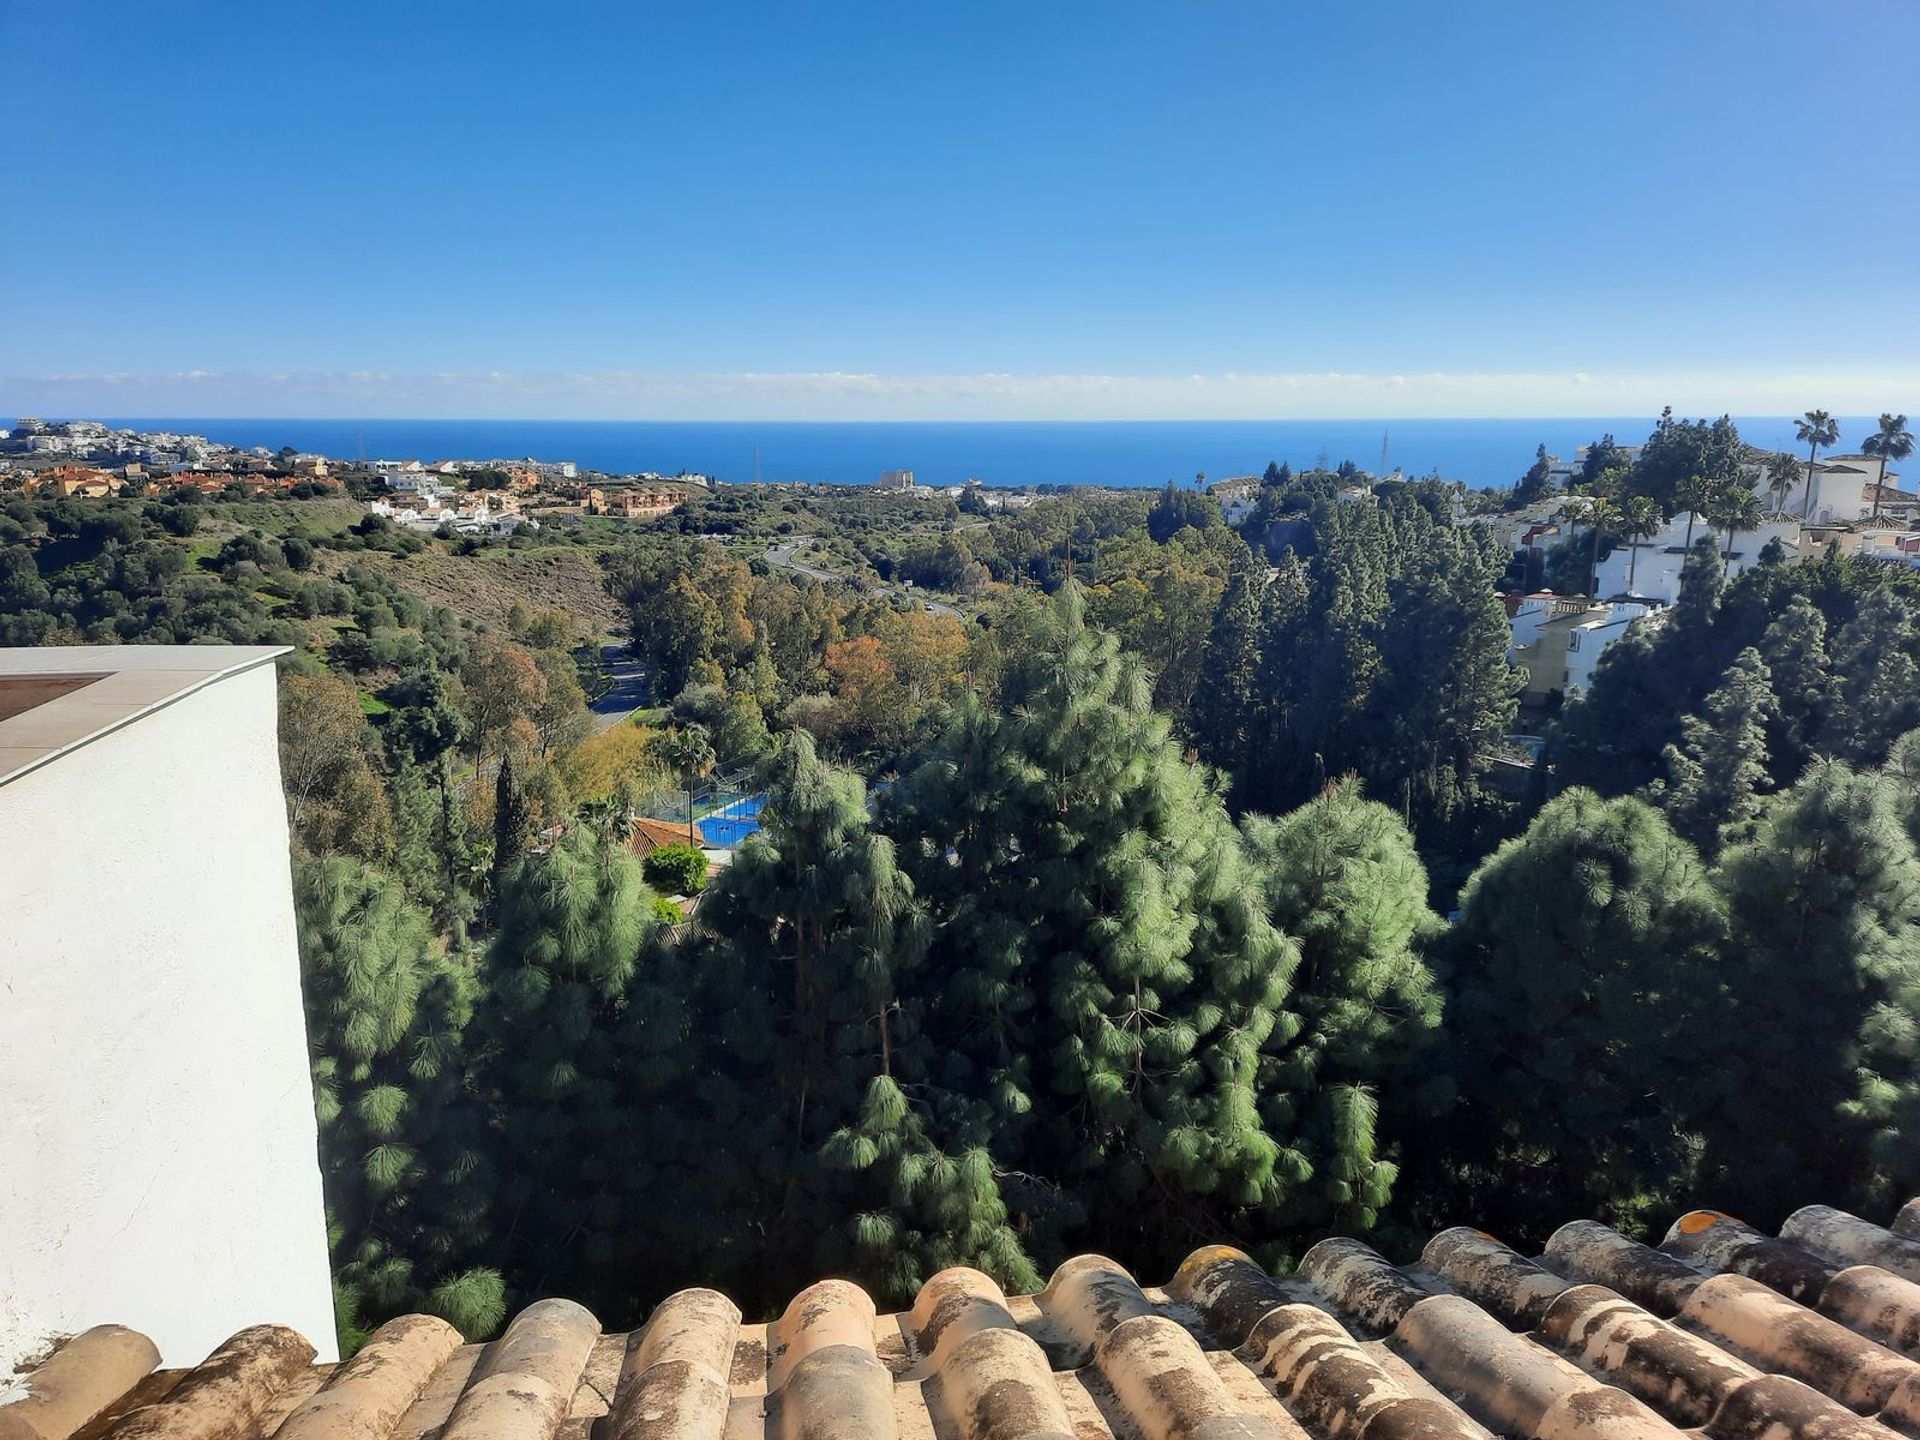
x=1010 y=453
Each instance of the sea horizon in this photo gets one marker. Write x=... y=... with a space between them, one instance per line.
x=1488 y=451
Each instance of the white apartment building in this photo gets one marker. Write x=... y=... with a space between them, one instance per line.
x=1842 y=492
x=1649 y=569
x=1559 y=642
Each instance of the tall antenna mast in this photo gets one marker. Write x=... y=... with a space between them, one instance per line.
x=1384 y=434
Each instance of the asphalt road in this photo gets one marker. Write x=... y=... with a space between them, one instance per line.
x=628 y=692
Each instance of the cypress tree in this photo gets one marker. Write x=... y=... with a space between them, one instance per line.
x=1821 y=972
x=1717 y=771
x=512 y=817
x=403 y=1152
x=1585 y=949
x=1341 y=875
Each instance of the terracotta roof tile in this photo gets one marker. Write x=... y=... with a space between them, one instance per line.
x=652 y=834
x=1721 y=1330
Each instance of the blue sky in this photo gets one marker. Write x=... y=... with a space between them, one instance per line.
x=837 y=209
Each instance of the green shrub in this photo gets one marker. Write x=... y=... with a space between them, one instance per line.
x=676 y=870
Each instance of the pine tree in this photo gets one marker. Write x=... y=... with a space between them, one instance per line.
x=1445 y=688
x=812 y=973
x=416 y=815
x=1887 y=1099
x=1877 y=690
x=1718 y=770
x=1822 y=968
x=1225 y=708
x=1795 y=651
x=1382 y=652
x=571 y=1063
x=1584 y=952
x=1341 y=875
x=403 y=1152
x=1116 y=991
x=1535 y=484
x=1903 y=770
x=1702 y=578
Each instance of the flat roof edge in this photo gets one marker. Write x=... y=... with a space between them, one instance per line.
x=80 y=708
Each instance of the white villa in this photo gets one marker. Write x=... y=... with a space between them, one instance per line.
x=1649 y=569
x=1842 y=493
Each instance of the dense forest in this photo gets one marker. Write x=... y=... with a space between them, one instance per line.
x=1150 y=893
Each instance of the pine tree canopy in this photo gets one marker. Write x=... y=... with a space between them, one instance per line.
x=1825 y=902
x=1583 y=950
x=1718 y=770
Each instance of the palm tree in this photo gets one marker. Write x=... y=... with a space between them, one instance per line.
x=1601 y=515
x=1783 y=473
x=1695 y=495
x=689 y=753
x=1818 y=431
x=1640 y=519
x=1892 y=441
x=1735 y=509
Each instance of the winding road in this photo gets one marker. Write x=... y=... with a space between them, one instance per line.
x=628 y=692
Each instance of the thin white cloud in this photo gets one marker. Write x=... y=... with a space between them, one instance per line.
x=849 y=395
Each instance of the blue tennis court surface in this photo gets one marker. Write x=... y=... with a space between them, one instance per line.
x=730 y=824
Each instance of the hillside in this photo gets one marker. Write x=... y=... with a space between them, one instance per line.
x=484 y=584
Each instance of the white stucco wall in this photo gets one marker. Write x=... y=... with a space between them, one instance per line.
x=1663 y=557
x=157 y=1144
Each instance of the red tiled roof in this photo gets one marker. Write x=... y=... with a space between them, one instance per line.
x=1721 y=1330
x=662 y=832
